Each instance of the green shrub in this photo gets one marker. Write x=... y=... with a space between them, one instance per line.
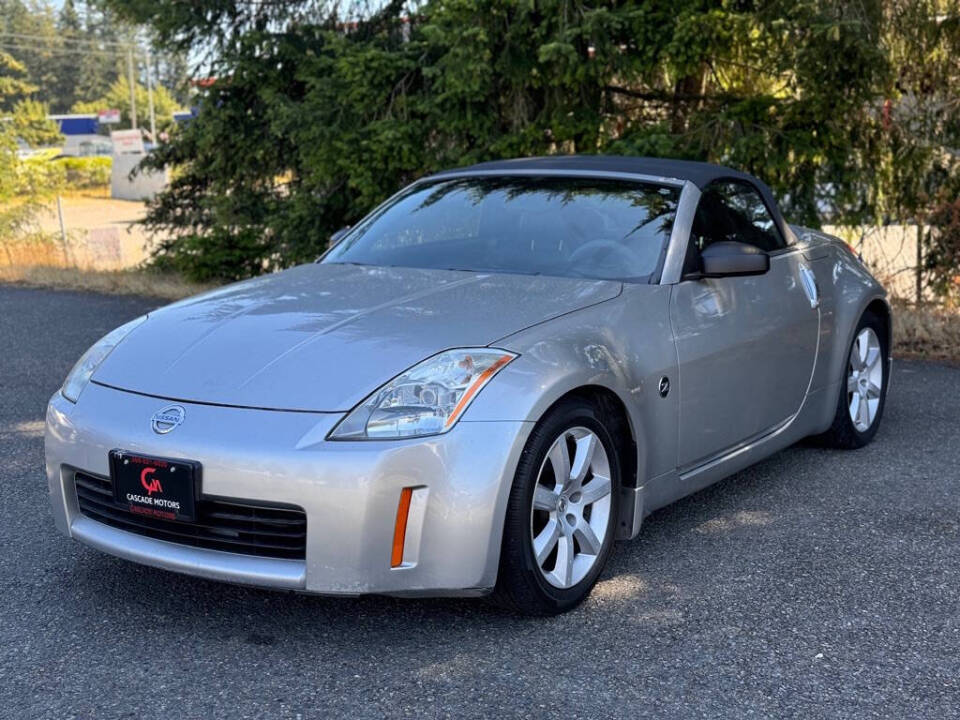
x=38 y=176
x=86 y=172
x=72 y=173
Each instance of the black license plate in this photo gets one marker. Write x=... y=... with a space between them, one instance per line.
x=160 y=488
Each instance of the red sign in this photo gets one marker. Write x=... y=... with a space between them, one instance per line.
x=108 y=117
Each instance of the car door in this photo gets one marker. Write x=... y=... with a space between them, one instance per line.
x=746 y=346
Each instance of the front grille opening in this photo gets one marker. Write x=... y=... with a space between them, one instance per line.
x=228 y=525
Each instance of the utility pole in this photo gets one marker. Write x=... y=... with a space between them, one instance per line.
x=133 y=93
x=153 y=117
x=919 y=277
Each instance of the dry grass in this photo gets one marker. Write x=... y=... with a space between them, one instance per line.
x=43 y=259
x=33 y=249
x=99 y=192
x=115 y=282
x=927 y=333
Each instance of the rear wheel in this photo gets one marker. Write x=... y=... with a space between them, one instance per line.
x=863 y=391
x=562 y=512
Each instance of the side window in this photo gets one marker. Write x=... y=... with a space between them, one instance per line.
x=734 y=211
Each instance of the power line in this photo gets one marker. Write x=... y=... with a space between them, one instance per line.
x=60 y=38
x=120 y=51
x=61 y=51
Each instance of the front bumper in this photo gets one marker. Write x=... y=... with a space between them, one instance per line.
x=349 y=491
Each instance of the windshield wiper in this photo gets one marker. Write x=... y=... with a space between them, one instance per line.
x=502 y=271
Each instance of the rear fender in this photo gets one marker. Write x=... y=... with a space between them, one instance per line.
x=848 y=289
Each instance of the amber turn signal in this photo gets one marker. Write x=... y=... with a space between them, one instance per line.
x=400 y=529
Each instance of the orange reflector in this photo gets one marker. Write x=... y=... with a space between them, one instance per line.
x=400 y=529
x=475 y=387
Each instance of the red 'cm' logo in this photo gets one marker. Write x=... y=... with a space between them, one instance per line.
x=153 y=485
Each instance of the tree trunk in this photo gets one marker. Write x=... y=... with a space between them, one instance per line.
x=686 y=87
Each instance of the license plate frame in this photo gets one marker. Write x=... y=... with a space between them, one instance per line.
x=155 y=487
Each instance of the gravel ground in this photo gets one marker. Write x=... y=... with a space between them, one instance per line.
x=816 y=584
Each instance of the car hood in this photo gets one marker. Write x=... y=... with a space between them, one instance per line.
x=322 y=337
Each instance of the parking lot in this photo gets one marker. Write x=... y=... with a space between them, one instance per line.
x=816 y=584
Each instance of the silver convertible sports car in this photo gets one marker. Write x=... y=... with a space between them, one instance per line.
x=476 y=390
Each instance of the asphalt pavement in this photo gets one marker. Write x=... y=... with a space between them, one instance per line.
x=815 y=584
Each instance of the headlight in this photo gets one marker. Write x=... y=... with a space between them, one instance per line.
x=80 y=375
x=427 y=399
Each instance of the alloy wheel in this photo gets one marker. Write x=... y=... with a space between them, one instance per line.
x=864 y=379
x=570 y=514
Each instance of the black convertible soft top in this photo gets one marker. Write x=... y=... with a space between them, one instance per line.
x=700 y=174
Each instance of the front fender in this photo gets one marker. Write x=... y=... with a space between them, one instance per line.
x=624 y=345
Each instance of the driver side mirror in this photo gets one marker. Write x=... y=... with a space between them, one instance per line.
x=732 y=259
x=338 y=235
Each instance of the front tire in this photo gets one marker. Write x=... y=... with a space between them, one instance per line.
x=562 y=513
x=863 y=390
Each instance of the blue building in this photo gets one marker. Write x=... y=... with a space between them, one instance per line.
x=82 y=133
x=77 y=124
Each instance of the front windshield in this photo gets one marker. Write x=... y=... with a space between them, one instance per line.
x=568 y=227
